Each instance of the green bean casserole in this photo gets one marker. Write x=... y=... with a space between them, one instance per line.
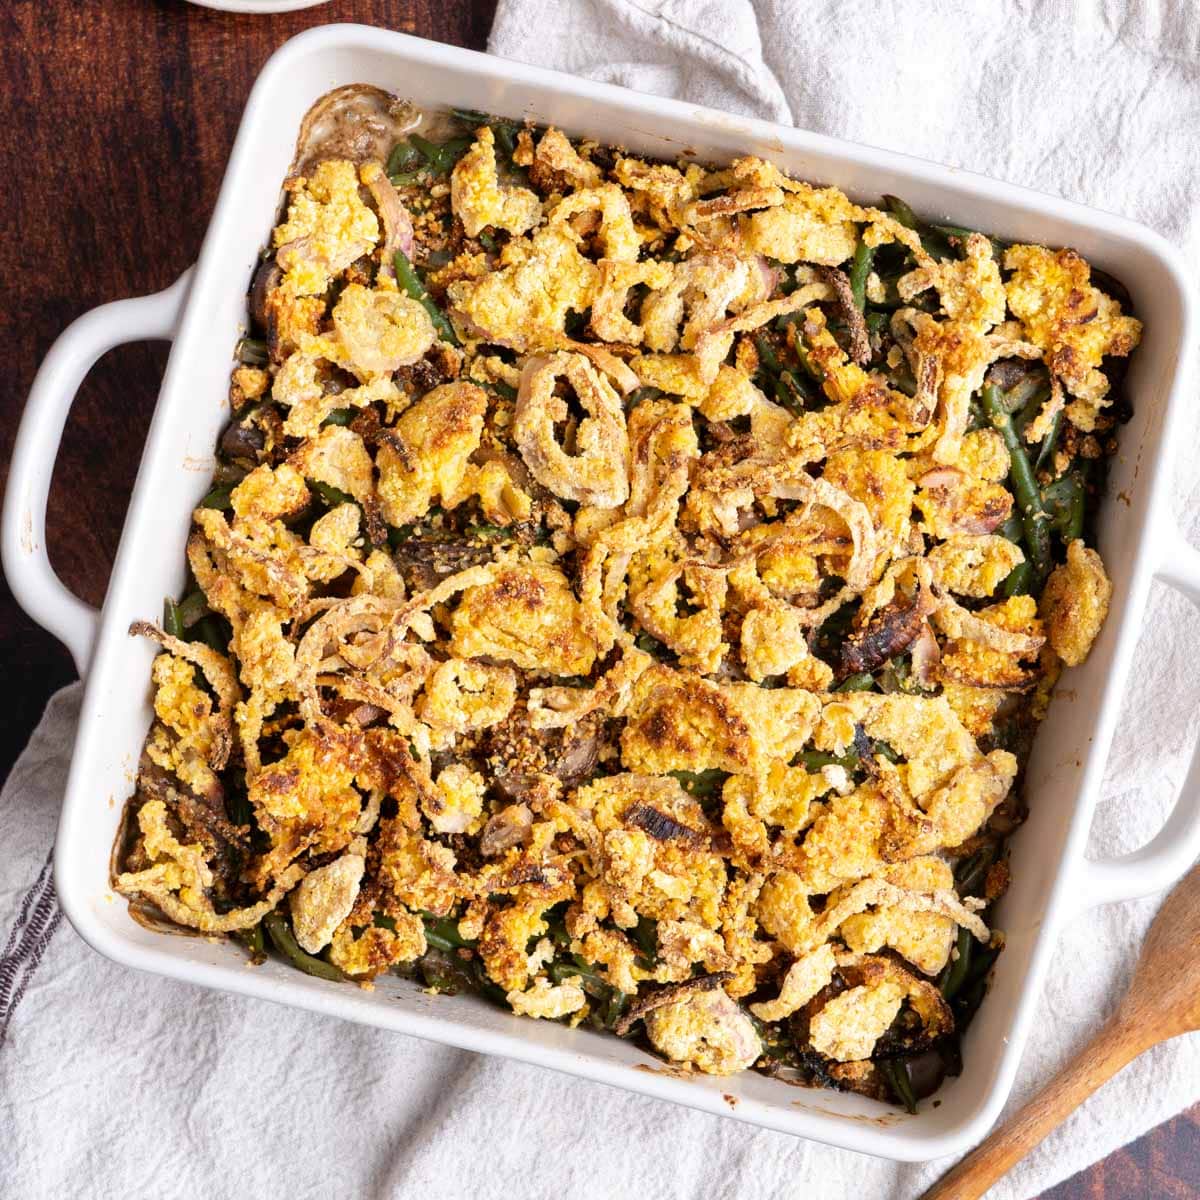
x=628 y=592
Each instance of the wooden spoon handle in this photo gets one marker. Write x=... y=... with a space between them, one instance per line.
x=1115 y=1045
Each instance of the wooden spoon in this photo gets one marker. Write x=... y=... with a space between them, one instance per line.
x=1163 y=1001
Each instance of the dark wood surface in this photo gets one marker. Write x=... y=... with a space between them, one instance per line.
x=116 y=117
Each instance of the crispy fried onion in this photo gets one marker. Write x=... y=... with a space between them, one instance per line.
x=1039 y=427
x=714 y=343
x=397 y=221
x=381 y=330
x=871 y=892
x=462 y=695
x=670 y=994
x=359 y=645
x=605 y=360
x=178 y=878
x=738 y=487
x=219 y=673
x=949 y=360
x=851 y=314
x=958 y=622
x=847 y=1027
x=664 y=446
x=609 y=321
x=260 y=567
x=554 y=707
x=696 y=637
x=804 y=979
x=299 y=386
x=597 y=472
x=888 y=623
x=605 y=211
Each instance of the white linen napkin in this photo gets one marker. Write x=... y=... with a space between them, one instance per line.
x=114 y=1083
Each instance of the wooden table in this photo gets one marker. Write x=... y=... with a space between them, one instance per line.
x=116 y=117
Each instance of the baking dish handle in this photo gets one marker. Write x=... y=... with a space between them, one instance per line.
x=1176 y=846
x=36 y=587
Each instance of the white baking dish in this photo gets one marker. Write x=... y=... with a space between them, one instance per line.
x=202 y=315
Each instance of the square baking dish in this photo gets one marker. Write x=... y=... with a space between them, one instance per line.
x=204 y=313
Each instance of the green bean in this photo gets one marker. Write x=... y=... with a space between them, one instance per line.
x=172 y=622
x=252 y=352
x=934 y=242
x=1024 y=485
x=814 y=760
x=470 y=116
x=1019 y=581
x=647 y=392
x=883 y=750
x=446 y=973
x=646 y=935
x=237 y=806
x=332 y=497
x=959 y=231
x=971 y=872
x=615 y=1009
x=701 y=783
x=901 y=211
x=895 y=1072
x=405 y=178
x=1012 y=528
x=591 y=983
x=999 y=245
x=1025 y=399
x=404 y=157
x=252 y=939
x=502 y=389
x=192 y=607
x=410 y=281
x=442 y=932
x=505 y=134
x=219 y=497
x=864 y=681
x=649 y=644
x=812 y=371
x=955 y=974
x=1065 y=502
x=285 y=942
x=767 y=355
x=484 y=529
x=1050 y=441
x=441 y=156
x=787 y=392
x=209 y=632
x=487 y=241
x=339 y=416
x=864 y=256
x=798 y=394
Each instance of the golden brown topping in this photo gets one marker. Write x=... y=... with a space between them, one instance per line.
x=647 y=630
x=1075 y=603
x=597 y=473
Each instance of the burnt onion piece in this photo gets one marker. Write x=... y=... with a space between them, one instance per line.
x=668 y=994
x=658 y=825
x=889 y=633
x=860 y=340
